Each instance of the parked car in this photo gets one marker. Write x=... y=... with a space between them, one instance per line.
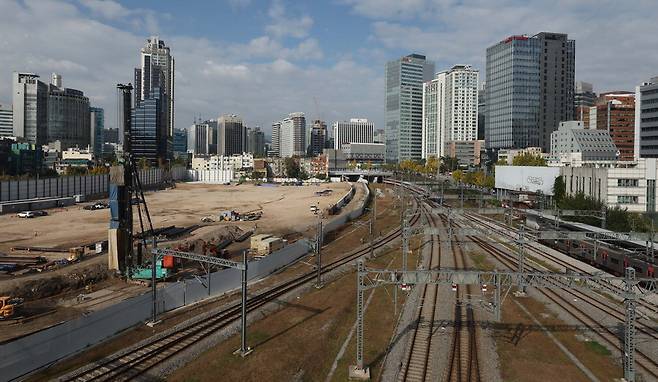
x=96 y=206
x=31 y=214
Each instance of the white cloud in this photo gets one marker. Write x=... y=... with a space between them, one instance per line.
x=609 y=35
x=284 y=24
x=262 y=80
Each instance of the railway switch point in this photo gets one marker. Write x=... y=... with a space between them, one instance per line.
x=359 y=374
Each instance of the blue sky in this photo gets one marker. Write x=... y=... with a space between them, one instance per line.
x=263 y=59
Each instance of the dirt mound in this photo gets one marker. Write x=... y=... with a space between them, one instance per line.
x=58 y=283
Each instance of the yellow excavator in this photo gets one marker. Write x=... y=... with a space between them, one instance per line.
x=7 y=306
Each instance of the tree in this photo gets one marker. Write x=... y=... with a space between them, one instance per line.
x=431 y=165
x=458 y=175
x=528 y=159
x=449 y=164
x=559 y=189
x=490 y=182
x=292 y=168
x=143 y=164
x=99 y=170
x=72 y=171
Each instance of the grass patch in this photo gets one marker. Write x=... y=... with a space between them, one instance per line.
x=543 y=263
x=480 y=261
x=597 y=348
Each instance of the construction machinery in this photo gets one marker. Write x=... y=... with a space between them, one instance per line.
x=8 y=306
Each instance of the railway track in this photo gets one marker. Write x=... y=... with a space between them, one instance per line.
x=644 y=362
x=417 y=365
x=147 y=355
x=604 y=305
x=463 y=364
x=504 y=230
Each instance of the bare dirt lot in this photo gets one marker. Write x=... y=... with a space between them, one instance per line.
x=285 y=209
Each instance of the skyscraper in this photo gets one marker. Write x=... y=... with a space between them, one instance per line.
x=149 y=133
x=6 y=121
x=530 y=89
x=318 y=137
x=646 y=119
x=450 y=104
x=232 y=135
x=615 y=112
x=292 y=135
x=356 y=130
x=68 y=115
x=404 y=105
x=180 y=141
x=156 y=76
x=256 y=142
x=198 y=138
x=30 y=108
x=96 y=130
x=584 y=98
x=276 y=138
x=482 y=110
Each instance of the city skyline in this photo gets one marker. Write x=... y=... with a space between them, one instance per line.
x=241 y=71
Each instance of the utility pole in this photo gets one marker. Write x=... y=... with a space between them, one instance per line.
x=405 y=241
x=244 y=349
x=604 y=217
x=318 y=254
x=521 y=256
x=629 y=330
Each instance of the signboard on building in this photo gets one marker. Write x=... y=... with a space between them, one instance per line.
x=527 y=178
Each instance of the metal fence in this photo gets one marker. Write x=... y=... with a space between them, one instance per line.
x=90 y=186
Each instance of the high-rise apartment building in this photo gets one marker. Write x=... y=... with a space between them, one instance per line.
x=450 y=104
x=404 y=103
x=318 y=137
x=96 y=130
x=68 y=115
x=615 y=112
x=584 y=98
x=530 y=89
x=646 y=119
x=292 y=136
x=276 y=139
x=6 y=121
x=30 y=108
x=256 y=142
x=231 y=135
x=356 y=130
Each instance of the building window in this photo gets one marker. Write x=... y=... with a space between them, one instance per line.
x=627 y=182
x=627 y=199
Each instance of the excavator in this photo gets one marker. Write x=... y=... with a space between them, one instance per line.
x=8 y=306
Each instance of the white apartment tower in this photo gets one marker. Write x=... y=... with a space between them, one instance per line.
x=292 y=136
x=450 y=109
x=357 y=130
x=156 y=57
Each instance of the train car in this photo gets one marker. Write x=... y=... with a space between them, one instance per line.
x=613 y=256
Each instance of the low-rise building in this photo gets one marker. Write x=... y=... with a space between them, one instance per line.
x=507 y=155
x=626 y=184
x=238 y=162
x=468 y=153
x=364 y=152
x=572 y=144
x=75 y=157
